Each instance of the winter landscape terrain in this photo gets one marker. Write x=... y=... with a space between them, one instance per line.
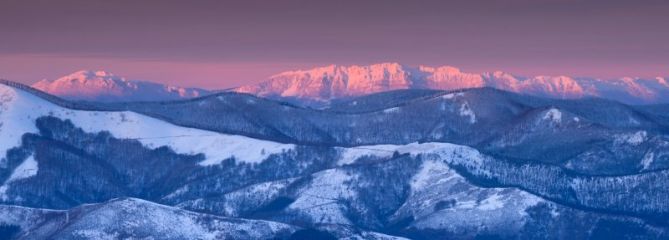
x=346 y=119
x=360 y=152
x=319 y=86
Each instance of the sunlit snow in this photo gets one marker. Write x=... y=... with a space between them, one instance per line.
x=19 y=110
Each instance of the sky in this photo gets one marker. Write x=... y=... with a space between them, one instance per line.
x=224 y=43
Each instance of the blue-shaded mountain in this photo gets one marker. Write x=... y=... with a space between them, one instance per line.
x=589 y=135
x=378 y=166
x=414 y=190
x=586 y=135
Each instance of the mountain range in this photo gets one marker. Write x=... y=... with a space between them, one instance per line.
x=103 y=86
x=318 y=87
x=476 y=163
x=335 y=81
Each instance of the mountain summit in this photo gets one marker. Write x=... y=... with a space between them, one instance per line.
x=106 y=87
x=326 y=83
x=320 y=85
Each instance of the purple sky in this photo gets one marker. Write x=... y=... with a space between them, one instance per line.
x=221 y=43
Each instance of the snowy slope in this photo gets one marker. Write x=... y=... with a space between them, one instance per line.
x=135 y=219
x=19 y=110
x=440 y=198
x=326 y=83
x=411 y=188
x=107 y=87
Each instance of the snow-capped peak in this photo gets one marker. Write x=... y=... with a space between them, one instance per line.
x=105 y=86
x=441 y=69
x=326 y=83
x=85 y=77
x=88 y=74
x=87 y=85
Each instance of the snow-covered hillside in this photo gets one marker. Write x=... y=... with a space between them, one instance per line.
x=94 y=164
x=20 y=109
x=132 y=218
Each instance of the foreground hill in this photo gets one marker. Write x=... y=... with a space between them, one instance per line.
x=133 y=218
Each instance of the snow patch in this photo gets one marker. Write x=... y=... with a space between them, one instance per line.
x=452 y=95
x=350 y=155
x=427 y=173
x=633 y=139
x=322 y=198
x=3 y=192
x=466 y=111
x=491 y=203
x=554 y=115
x=95 y=234
x=392 y=110
x=647 y=160
x=633 y=121
x=26 y=169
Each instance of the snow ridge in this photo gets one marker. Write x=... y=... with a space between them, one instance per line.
x=335 y=81
x=19 y=110
x=105 y=86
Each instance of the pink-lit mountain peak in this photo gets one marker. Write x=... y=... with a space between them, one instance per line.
x=105 y=86
x=86 y=82
x=323 y=84
x=335 y=81
x=88 y=76
x=91 y=74
x=380 y=70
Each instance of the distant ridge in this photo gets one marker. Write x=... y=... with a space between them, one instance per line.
x=319 y=86
x=102 y=86
x=335 y=81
